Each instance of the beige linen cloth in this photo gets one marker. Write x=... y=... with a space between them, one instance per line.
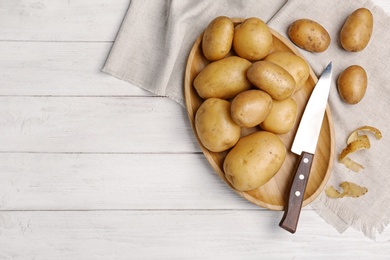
x=154 y=41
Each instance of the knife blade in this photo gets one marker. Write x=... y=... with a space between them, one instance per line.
x=304 y=145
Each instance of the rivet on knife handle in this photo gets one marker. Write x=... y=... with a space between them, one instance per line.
x=291 y=214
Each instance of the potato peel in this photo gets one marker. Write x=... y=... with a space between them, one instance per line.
x=352 y=137
x=356 y=142
x=351 y=164
x=361 y=142
x=331 y=192
x=355 y=134
x=350 y=189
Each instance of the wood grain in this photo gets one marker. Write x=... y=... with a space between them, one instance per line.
x=101 y=181
x=88 y=125
x=174 y=235
x=59 y=69
x=61 y=20
x=124 y=197
x=274 y=194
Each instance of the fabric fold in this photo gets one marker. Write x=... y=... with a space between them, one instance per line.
x=153 y=43
x=155 y=39
x=369 y=213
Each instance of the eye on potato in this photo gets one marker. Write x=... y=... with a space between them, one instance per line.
x=252 y=39
x=218 y=38
x=215 y=128
x=254 y=160
x=357 y=30
x=309 y=35
x=224 y=78
x=251 y=107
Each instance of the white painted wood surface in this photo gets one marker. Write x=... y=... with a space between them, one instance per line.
x=93 y=168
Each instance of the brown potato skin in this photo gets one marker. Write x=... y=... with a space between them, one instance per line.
x=282 y=117
x=352 y=84
x=218 y=38
x=254 y=160
x=357 y=30
x=294 y=64
x=309 y=35
x=224 y=78
x=271 y=78
x=252 y=39
x=251 y=107
x=215 y=128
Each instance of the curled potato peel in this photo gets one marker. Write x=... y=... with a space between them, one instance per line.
x=355 y=134
x=361 y=142
x=356 y=142
x=351 y=164
x=350 y=189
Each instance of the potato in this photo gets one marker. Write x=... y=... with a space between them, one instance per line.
x=251 y=107
x=254 y=160
x=215 y=127
x=224 y=78
x=218 y=38
x=357 y=30
x=309 y=35
x=272 y=79
x=282 y=117
x=252 y=39
x=294 y=64
x=352 y=84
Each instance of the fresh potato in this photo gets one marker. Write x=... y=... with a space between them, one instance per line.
x=282 y=117
x=357 y=30
x=309 y=35
x=218 y=38
x=254 y=160
x=272 y=79
x=352 y=84
x=251 y=107
x=215 y=127
x=252 y=39
x=294 y=64
x=224 y=78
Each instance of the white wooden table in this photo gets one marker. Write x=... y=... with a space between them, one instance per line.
x=91 y=167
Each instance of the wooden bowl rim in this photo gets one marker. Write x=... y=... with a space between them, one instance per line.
x=206 y=152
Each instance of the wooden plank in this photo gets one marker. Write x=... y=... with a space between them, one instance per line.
x=61 y=20
x=176 y=235
x=34 y=181
x=94 y=125
x=59 y=69
x=56 y=174
x=65 y=20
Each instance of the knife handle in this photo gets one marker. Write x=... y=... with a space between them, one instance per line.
x=291 y=214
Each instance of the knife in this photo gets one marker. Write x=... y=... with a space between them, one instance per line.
x=304 y=145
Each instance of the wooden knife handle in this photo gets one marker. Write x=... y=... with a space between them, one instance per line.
x=291 y=214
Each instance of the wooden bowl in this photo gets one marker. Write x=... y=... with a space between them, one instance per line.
x=274 y=194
